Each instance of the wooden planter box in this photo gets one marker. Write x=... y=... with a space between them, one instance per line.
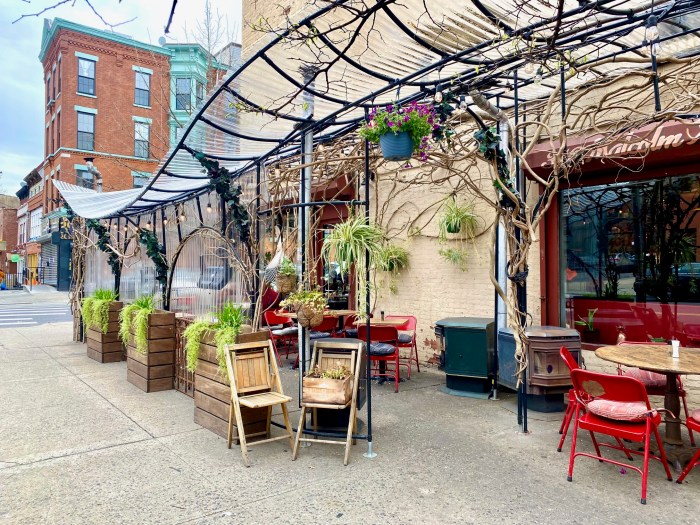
x=153 y=371
x=106 y=348
x=212 y=392
x=327 y=391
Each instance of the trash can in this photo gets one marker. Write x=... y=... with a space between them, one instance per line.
x=467 y=346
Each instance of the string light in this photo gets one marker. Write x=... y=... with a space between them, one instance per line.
x=208 y=207
x=165 y=220
x=438 y=94
x=538 y=76
x=148 y=225
x=529 y=68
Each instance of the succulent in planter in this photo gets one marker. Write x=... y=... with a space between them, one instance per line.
x=401 y=130
x=95 y=309
x=230 y=319
x=309 y=306
x=340 y=372
x=136 y=315
x=329 y=386
x=286 y=279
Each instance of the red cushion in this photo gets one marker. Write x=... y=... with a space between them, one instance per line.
x=619 y=410
x=649 y=379
x=695 y=414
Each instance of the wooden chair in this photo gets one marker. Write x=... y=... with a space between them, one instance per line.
x=333 y=354
x=255 y=383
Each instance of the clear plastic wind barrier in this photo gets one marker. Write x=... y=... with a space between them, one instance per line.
x=98 y=274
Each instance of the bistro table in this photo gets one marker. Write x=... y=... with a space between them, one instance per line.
x=658 y=358
x=340 y=314
x=394 y=321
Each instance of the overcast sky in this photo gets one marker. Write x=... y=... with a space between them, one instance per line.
x=21 y=85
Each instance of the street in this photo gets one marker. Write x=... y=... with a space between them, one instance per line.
x=21 y=314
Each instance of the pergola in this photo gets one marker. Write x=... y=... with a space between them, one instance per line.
x=313 y=80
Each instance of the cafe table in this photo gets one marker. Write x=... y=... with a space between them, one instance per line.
x=394 y=321
x=340 y=314
x=657 y=358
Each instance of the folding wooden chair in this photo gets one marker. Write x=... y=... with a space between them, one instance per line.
x=333 y=354
x=255 y=383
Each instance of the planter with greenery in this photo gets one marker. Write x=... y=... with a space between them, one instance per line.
x=204 y=343
x=401 y=131
x=100 y=313
x=332 y=386
x=309 y=306
x=347 y=244
x=149 y=335
x=457 y=223
x=286 y=276
x=589 y=334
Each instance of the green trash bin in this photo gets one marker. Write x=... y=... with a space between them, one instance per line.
x=467 y=344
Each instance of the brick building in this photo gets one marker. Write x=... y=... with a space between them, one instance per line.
x=107 y=97
x=8 y=237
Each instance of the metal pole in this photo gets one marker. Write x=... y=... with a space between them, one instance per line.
x=256 y=278
x=370 y=453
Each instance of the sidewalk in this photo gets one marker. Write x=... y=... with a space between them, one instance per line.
x=80 y=445
x=40 y=294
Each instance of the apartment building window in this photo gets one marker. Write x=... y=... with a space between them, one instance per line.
x=53 y=137
x=142 y=92
x=58 y=129
x=86 y=131
x=46 y=143
x=141 y=138
x=86 y=76
x=53 y=85
x=199 y=93
x=140 y=178
x=83 y=178
x=48 y=90
x=58 y=72
x=35 y=222
x=183 y=93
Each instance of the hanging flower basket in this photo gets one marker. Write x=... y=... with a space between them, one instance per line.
x=396 y=146
x=309 y=317
x=286 y=283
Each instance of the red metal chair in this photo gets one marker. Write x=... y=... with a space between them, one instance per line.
x=327 y=328
x=616 y=406
x=407 y=339
x=282 y=330
x=383 y=349
x=655 y=383
x=693 y=422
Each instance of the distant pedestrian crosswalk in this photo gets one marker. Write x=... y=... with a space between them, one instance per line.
x=33 y=314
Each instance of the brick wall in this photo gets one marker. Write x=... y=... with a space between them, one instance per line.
x=8 y=227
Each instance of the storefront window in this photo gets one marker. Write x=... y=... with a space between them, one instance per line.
x=630 y=257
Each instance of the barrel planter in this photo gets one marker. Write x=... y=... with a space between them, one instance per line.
x=106 y=348
x=154 y=370
x=396 y=146
x=212 y=391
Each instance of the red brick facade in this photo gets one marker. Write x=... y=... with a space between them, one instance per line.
x=114 y=103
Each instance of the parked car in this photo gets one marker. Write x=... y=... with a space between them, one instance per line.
x=214 y=277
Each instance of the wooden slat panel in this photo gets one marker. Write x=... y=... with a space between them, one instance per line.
x=104 y=348
x=254 y=420
x=212 y=388
x=151 y=359
x=96 y=335
x=149 y=385
x=150 y=372
x=157 y=345
x=110 y=357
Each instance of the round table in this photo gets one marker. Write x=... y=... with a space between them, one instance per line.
x=657 y=358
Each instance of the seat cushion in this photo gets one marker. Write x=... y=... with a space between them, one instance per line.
x=351 y=332
x=285 y=331
x=319 y=335
x=648 y=379
x=695 y=414
x=381 y=349
x=405 y=338
x=275 y=327
x=619 y=410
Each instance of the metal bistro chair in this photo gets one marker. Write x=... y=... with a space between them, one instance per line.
x=255 y=383
x=282 y=330
x=616 y=406
x=693 y=422
x=407 y=339
x=383 y=349
x=654 y=382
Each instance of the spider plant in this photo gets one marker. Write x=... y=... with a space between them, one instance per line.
x=455 y=256
x=95 y=309
x=456 y=218
x=392 y=258
x=136 y=315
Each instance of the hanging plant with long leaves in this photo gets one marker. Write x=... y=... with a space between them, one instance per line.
x=156 y=252
x=102 y=243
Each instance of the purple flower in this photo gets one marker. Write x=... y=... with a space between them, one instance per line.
x=390 y=124
x=407 y=118
x=436 y=127
x=390 y=108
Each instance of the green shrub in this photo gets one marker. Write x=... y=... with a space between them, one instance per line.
x=95 y=309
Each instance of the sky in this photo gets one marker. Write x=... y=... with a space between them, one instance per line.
x=21 y=82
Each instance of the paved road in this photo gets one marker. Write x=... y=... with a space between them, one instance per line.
x=26 y=314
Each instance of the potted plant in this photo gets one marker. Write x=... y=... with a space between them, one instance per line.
x=401 y=130
x=456 y=218
x=100 y=314
x=589 y=334
x=286 y=279
x=332 y=386
x=309 y=306
x=392 y=258
x=149 y=336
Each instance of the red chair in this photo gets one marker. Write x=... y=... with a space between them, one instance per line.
x=327 y=328
x=616 y=406
x=655 y=383
x=383 y=349
x=407 y=339
x=693 y=422
x=349 y=328
x=282 y=330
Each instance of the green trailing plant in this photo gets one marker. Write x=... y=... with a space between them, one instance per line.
x=490 y=149
x=456 y=218
x=95 y=309
x=392 y=258
x=287 y=267
x=312 y=299
x=156 y=252
x=456 y=256
x=588 y=323
x=103 y=238
x=340 y=372
x=230 y=318
x=136 y=315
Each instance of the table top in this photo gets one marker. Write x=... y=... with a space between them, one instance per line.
x=334 y=313
x=656 y=358
x=398 y=321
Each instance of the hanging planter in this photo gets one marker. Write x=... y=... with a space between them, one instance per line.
x=401 y=131
x=456 y=218
x=308 y=305
x=286 y=280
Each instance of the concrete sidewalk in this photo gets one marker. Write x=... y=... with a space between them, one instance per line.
x=80 y=445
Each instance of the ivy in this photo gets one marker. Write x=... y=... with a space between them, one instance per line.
x=156 y=252
x=490 y=149
x=102 y=243
x=221 y=180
